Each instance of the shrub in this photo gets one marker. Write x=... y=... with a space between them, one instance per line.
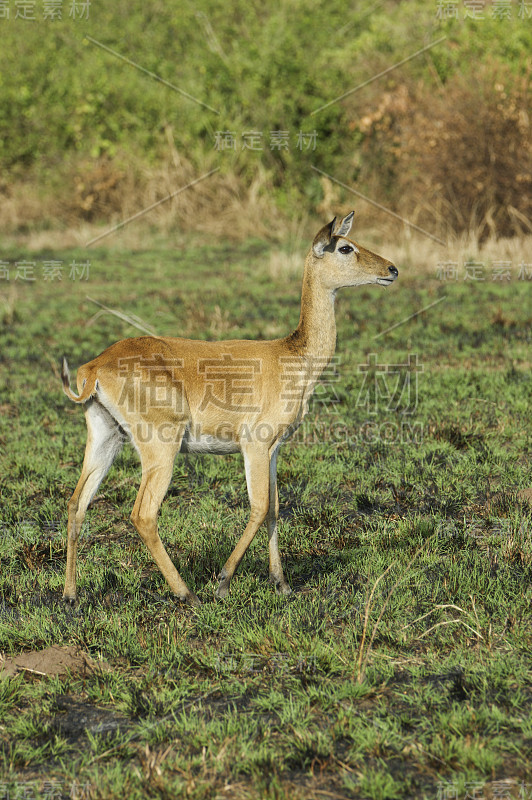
x=459 y=158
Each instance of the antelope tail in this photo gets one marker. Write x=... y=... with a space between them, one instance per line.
x=89 y=386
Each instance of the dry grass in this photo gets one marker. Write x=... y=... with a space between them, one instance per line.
x=8 y=304
x=95 y=196
x=410 y=250
x=422 y=256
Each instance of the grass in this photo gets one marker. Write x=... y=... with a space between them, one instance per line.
x=400 y=665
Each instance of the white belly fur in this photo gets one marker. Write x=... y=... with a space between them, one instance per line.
x=207 y=444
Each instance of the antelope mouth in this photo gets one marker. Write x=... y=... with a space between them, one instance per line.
x=385 y=280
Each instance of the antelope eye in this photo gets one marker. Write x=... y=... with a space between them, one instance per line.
x=345 y=249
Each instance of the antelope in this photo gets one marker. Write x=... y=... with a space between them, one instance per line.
x=171 y=395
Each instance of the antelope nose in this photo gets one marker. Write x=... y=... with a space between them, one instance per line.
x=394 y=271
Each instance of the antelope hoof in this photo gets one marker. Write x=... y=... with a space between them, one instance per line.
x=281 y=586
x=224 y=581
x=70 y=600
x=191 y=599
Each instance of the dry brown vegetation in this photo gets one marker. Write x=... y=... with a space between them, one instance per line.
x=458 y=160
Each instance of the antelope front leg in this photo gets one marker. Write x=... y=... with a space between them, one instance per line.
x=257 y=463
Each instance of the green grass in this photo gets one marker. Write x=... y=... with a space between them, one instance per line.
x=257 y=695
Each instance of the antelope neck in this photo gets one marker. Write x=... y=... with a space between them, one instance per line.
x=315 y=335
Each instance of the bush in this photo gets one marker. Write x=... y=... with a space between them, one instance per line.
x=459 y=158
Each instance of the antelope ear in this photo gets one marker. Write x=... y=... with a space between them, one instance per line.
x=323 y=239
x=345 y=225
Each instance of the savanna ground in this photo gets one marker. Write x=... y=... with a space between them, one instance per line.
x=399 y=486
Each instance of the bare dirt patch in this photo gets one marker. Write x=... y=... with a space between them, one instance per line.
x=52 y=661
